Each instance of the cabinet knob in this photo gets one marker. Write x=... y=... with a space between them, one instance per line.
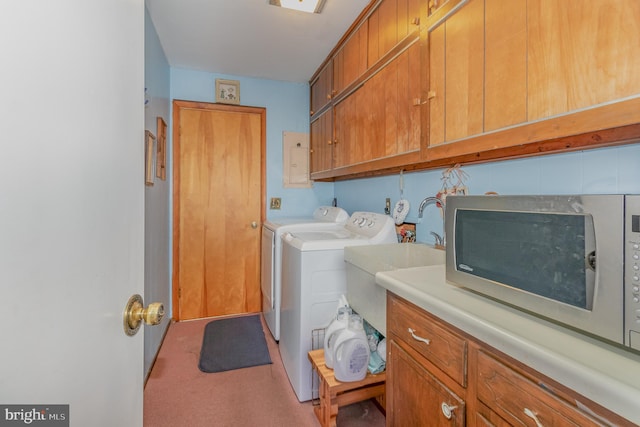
x=329 y=142
x=311 y=113
x=328 y=96
x=447 y=410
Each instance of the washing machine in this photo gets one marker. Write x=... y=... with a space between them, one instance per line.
x=271 y=260
x=313 y=279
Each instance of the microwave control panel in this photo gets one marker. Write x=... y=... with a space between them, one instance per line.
x=632 y=271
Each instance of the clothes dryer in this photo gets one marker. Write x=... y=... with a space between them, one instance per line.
x=313 y=279
x=271 y=260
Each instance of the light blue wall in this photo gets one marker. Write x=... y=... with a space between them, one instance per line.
x=157 y=287
x=287 y=106
x=600 y=171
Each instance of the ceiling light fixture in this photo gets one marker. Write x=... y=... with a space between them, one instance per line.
x=310 y=6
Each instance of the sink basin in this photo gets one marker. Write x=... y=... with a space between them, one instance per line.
x=363 y=262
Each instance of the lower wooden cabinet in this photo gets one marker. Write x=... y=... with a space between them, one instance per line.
x=519 y=400
x=418 y=398
x=488 y=389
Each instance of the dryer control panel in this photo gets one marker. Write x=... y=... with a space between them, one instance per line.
x=375 y=226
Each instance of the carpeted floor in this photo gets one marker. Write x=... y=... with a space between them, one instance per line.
x=178 y=394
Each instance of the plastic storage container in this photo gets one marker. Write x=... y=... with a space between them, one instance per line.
x=351 y=352
x=335 y=327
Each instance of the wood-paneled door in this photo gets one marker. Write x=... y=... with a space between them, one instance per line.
x=218 y=208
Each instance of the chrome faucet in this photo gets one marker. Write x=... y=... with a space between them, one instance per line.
x=423 y=204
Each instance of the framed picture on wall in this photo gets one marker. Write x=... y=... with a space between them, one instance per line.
x=228 y=91
x=161 y=151
x=150 y=155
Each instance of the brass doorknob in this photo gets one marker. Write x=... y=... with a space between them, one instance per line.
x=254 y=224
x=135 y=313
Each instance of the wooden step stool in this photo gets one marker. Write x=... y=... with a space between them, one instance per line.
x=334 y=394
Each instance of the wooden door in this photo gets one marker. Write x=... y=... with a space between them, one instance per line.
x=218 y=208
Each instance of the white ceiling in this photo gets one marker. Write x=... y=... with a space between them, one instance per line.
x=250 y=37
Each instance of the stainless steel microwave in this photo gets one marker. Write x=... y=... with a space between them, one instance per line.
x=573 y=259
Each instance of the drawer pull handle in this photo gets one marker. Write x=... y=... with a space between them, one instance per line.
x=447 y=410
x=417 y=338
x=529 y=413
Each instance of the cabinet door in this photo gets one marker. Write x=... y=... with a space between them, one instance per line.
x=321 y=142
x=322 y=89
x=464 y=57
x=415 y=397
x=436 y=88
x=409 y=126
x=581 y=56
x=351 y=60
x=505 y=85
x=457 y=75
x=389 y=24
x=383 y=30
x=346 y=127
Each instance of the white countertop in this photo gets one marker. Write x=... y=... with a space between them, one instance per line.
x=606 y=374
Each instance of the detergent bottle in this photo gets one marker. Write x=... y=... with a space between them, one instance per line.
x=338 y=324
x=351 y=352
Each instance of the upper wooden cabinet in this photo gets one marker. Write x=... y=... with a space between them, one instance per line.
x=381 y=119
x=322 y=89
x=579 y=57
x=390 y=23
x=506 y=74
x=375 y=91
x=416 y=85
x=350 y=62
x=321 y=141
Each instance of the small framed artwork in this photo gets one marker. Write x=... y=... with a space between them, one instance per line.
x=228 y=91
x=161 y=151
x=150 y=152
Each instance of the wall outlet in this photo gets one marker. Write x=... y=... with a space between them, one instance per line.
x=275 y=203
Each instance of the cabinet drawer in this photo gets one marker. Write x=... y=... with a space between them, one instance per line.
x=446 y=350
x=520 y=401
